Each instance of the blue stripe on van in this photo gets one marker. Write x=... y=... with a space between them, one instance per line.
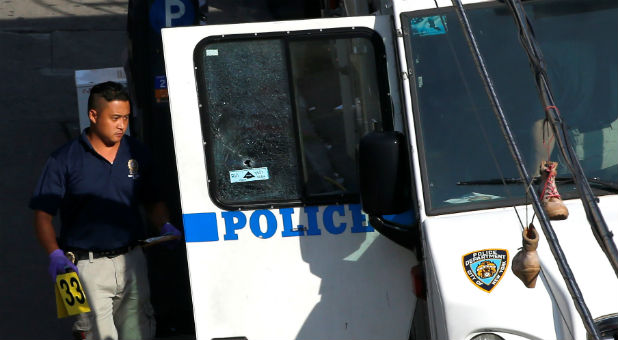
x=200 y=227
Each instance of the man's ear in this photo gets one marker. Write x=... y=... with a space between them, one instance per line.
x=93 y=116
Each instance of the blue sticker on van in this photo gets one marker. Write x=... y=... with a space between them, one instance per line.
x=433 y=25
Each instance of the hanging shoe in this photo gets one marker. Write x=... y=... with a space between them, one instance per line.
x=526 y=265
x=550 y=198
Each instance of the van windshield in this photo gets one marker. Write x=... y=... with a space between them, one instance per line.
x=464 y=154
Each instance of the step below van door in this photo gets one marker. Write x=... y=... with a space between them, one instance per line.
x=266 y=120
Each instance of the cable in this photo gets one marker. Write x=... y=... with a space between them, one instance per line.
x=597 y=223
x=480 y=123
x=550 y=235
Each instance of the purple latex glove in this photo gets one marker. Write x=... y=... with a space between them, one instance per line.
x=59 y=264
x=169 y=229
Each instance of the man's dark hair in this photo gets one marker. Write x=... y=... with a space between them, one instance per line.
x=108 y=90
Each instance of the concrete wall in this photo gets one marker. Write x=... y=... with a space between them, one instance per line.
x=42 y=42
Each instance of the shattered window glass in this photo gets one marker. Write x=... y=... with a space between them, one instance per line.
x=282 y=117
x=249 y=122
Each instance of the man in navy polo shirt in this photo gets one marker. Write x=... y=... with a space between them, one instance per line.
x=99 y=181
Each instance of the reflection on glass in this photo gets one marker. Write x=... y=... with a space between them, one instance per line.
x=459 y=134
x=336 y=100
x=248 y=121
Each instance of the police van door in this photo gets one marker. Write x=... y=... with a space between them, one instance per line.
x=266 y=120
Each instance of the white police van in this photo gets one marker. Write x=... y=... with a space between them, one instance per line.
x=267 y=119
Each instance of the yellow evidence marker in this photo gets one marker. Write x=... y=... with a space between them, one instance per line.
x=70 y=296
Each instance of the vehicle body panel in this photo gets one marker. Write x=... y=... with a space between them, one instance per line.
x=279 y=287
x=255 y=273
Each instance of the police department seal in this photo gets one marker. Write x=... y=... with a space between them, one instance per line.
x=485 y=268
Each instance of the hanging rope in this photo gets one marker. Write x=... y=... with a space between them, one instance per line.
x=547 y=130
x=550 y=235
x=597 y=223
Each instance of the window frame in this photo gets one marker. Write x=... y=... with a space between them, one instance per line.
x=286 y=37
x=409 y=55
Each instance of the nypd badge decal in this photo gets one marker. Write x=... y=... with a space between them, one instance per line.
x=485 y=268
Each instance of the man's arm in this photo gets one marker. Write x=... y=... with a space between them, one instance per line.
x=157 y=214
x=45 y=232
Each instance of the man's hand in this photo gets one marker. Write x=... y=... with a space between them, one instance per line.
x=59 y=264
x=169 y=229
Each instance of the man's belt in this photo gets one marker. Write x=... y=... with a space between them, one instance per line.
x=81 y=254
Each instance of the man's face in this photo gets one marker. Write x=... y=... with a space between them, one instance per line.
x=109 y=120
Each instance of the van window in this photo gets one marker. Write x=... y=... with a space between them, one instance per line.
x=282 y=115
x=464 y=154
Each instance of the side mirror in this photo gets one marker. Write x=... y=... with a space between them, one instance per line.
x=384 y=173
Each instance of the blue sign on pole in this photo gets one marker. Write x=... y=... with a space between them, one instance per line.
x=171 y=13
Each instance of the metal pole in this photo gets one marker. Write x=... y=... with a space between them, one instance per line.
x=554 y=245
x=597 y=223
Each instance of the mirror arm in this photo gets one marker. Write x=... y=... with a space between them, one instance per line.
x=405 y=235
